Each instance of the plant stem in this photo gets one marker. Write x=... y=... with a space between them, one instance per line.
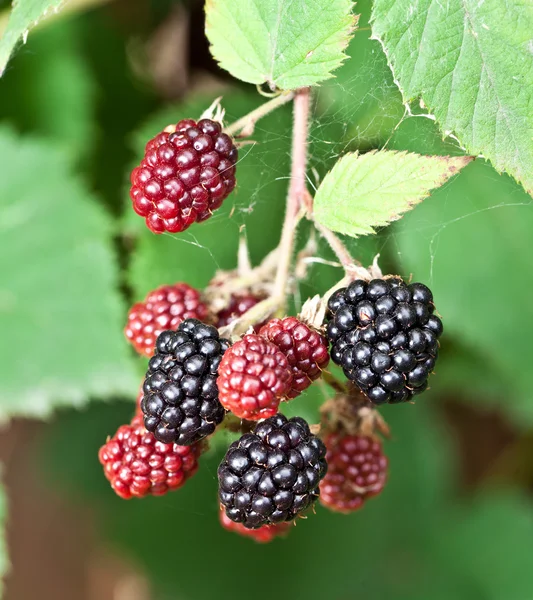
x=245 y=125
x=297 y=189
x=337 y=246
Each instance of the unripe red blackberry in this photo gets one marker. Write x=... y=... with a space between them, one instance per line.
x=238 y=305
x=263 y=535
x=186 y=173
x=272 y=475
x=137 y=465
x=180 y=403
x=385 y=337
x=357 y=470
x=164 y=308
x=253 y=377
x=305 y=349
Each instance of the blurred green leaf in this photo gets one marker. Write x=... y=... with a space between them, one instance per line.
x=25 y=14
x=471 y=64
x=286 y=44
x=60 y=314
x=366 y=191
x=52 y=90
x=469 y=243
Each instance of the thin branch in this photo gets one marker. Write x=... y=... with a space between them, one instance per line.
x=245 y=125
x=297 y=189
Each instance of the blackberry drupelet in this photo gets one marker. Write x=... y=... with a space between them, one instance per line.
x=137 y=465
x=254 y=376
x=262 y=535
x=357 y=470
x=305 y=349
x=238 y=305
x=385 y=336
x=163 y=308
x=180 y=403
x=186 y=173
x=272 y=475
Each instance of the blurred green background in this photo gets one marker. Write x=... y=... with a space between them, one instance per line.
x=77 y=104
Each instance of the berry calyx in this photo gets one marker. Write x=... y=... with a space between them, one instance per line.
x=180 y=403
x=357 y=470
x=137 y=465
x=272 y=475
x=385 y=337
x=262 y=535
x=305 y=349
x=163 y=308
x=186 y=173
x=253 y=377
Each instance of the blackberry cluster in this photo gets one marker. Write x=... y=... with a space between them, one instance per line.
x=385 y=336
x=137 y=465
x=186 y=173
x=163 y=308
x=305 y=349
x=272 y=475
x=357 y=470
x=262 y=535
x=180 y=401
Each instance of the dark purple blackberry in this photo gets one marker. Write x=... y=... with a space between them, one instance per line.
x=272 y=475
x=385 y=337
x=180 y=403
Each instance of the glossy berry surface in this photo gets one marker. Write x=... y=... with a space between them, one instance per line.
x=180 y=403
x=186 y=173
x=357 y=470
x=385 y=337
x=262 y=535
x=164 y=308
x=238 y=305
x=305 y=349
x=254 y=376
x=137 y=465
x=272 y=475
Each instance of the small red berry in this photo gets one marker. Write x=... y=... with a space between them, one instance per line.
x=305 y=349
x=164 y=308
x=137 y=465
x=186 y=173
x=357 y=470
x=253 y=377
x=263 y=535
x=239 y=304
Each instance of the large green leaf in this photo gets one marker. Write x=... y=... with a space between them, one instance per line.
x=471 y=245
x=25 y=15
x=285 y=43
x=472 y=65
x=60 y=314
x=366 y=191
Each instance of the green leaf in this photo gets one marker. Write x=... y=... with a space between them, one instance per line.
x=471 y=246
x=25 y=14
x=287 y=44
x=366 y=191
x=60 y=314
x=471 y=63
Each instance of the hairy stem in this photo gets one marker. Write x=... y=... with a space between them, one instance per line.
x=245 y=125
x=297 y=190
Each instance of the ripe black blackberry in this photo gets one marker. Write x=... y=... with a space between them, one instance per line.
x=180 y=403
x=385 y=336
x=272 y=475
